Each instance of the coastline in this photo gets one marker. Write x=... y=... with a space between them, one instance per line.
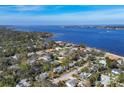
x=114 y=55
x=57 y=63
x=107 y=54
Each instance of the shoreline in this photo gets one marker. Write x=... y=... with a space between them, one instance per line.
x=114 y=55
x=107 y=54
x=32 y=58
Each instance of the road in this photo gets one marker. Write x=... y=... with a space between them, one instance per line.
x=68 y=75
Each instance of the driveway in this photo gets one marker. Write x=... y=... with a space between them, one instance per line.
x=68 y=75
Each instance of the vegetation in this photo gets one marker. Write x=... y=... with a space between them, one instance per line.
x=121 y=78
x=94 y=77
x=14 y=48
x=85 y=69
x=32 y=59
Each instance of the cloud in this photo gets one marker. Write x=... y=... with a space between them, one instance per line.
x=24 y=9
x=107 y=16
x=28 y=8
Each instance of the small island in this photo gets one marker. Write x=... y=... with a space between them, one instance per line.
x=32 y=59
x=108 y=27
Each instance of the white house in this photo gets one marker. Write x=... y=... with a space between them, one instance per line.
x=103 y=62
x=46 y=57
x=30 y=54
x=71 y=83
x=120 y=61
x=105 y=80
x=23 y=83
x=63 y=53
x=71 y=64
x=42 y=76
x=58 y=48
x=16 y=56
x=116 y=71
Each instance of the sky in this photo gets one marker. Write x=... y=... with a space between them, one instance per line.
x=61 y=14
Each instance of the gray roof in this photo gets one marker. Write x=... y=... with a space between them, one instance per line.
x=85 y=75
x=59 y=69
x=42 y=76
x=23 y=83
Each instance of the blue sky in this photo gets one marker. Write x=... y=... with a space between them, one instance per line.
x=61 y=15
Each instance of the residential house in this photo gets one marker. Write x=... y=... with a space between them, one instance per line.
x=71 y=83
x=105 y=80
x=16 y=56
x=71 y=64
x=23 y=83
x=85 y=75
x=63 y=53
x=42 y=76
x=116 y=71
x=46 y=57
x=103 y=62
x=58 y=69
x=94 y=68
x=31 y=60
x=31 y=54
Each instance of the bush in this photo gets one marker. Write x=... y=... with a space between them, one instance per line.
x=8 y=82
x=85 y=69
x=23 y=64
x=121 y=78
x=46 y=67
x=61 y=84
x=94 y=77
x=82 y=45
x=122 y=67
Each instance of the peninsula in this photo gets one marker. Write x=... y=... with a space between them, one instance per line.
x=32 y=59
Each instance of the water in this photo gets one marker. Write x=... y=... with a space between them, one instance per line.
x=109 y=40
